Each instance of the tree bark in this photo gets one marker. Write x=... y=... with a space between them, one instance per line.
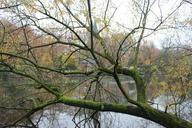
x=145 y=111
x=141 y=89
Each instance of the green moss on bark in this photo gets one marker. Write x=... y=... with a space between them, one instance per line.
x=144 y=111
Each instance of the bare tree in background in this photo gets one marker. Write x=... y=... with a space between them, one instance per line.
x=54 y=44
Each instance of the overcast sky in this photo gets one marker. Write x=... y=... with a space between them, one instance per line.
x=126 y=16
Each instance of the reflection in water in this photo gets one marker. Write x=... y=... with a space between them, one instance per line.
x=107 y=120
x=63 y=119
x=183 y=110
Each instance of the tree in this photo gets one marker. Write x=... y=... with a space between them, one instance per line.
x=83 y=26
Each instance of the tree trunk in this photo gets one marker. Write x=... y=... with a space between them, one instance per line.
x=145 y=111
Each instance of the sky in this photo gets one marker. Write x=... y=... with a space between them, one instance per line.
x=128 y=18
x=160 y=7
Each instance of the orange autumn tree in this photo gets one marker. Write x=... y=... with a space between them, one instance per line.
x=78 y=29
